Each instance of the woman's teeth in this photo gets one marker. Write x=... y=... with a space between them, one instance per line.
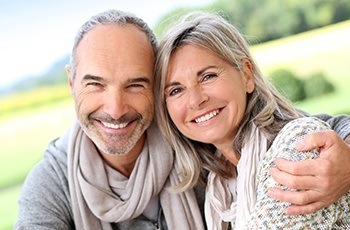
x=207 y=116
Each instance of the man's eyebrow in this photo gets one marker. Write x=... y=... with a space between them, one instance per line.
x=139 y=79
x=88 y=77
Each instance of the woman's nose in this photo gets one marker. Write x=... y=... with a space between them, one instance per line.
x=197 y=98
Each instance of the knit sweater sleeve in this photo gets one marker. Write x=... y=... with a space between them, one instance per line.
x=339 y=123
x=269 y=213
x=44 y=202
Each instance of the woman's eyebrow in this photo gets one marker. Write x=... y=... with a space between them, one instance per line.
x=200 y=72
x=172 y=84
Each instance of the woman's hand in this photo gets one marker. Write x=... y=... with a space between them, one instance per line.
x=322 y=181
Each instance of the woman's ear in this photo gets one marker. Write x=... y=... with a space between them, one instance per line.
x=247 y=70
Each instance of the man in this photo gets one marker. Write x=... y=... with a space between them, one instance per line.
x=110 y=170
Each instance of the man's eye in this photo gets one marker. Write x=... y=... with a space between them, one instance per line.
x=97 y=84
x=136 y=86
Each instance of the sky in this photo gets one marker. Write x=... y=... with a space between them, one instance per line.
x=35 y=34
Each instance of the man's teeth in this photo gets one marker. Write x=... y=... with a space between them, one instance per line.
x=207 y=116
x=114 y=126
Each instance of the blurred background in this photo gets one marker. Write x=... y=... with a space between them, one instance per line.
x=302 y=46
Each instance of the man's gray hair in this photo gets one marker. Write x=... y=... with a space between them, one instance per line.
x=110 y=17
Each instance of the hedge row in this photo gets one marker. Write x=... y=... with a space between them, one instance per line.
x=296 y=88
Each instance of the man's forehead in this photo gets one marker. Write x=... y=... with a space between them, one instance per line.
x=115 y=34
x=115 y=40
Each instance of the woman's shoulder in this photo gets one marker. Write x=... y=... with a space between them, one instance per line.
x=302 y=126
x=294 y=131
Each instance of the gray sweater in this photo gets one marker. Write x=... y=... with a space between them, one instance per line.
x=45 y=201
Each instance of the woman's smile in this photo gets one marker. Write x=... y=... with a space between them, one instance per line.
x=206 y=117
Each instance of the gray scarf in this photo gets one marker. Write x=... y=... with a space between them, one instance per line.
x=101 y=196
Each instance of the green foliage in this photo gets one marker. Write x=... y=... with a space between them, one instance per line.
x=270 y=19
x=287 y=83
x=298 y=89
x=317 y=85
x=169 y=19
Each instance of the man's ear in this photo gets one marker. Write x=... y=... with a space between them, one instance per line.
x=248 y=71
x=70 y=78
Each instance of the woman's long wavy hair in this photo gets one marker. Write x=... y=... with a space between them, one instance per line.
x=266 y=110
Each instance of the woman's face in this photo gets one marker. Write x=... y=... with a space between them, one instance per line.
x=205 y=95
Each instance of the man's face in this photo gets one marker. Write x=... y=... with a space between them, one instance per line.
x=113 y=87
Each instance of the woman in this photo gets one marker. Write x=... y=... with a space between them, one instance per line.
x=220 y=113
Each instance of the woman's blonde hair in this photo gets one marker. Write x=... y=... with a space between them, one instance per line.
x=266 y=110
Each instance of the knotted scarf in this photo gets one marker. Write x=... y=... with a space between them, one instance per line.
x=232 y=200
x=100 y=196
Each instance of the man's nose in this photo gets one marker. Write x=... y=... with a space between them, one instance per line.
x=115 y=103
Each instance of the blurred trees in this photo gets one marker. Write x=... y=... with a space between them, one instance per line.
x=288 y=84
x=297 y=88
x=270 y=19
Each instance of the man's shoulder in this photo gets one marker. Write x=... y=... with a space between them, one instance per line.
x=56 y=152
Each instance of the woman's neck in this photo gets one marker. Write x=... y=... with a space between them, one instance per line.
x=229 y=153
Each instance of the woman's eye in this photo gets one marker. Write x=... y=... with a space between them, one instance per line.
x=174 y=91
x=208 y=77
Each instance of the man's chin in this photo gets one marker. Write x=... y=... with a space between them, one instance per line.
x=111 y=149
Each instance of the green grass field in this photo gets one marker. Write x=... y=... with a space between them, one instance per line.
x=25 y=133
x=23 y=140
x=8 y=206
x=24 y=136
